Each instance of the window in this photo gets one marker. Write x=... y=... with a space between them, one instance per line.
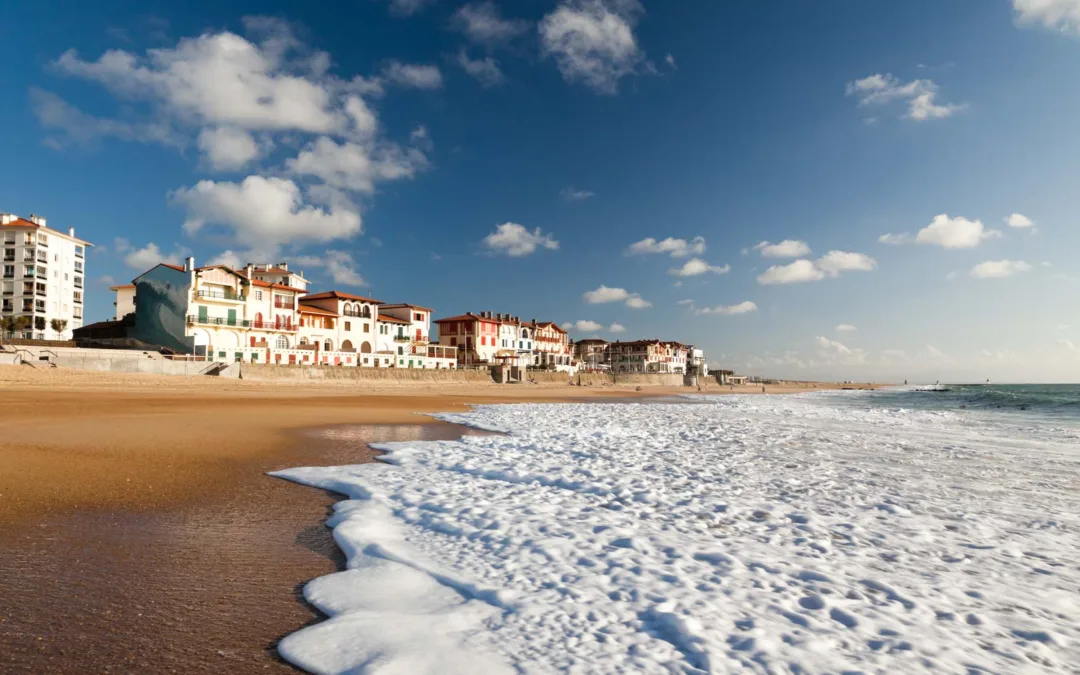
x=9 y=254
x=9 y=271
x=78 y=297
x=43 y=239
x=328 y=346
x=43 y=256
x=258 y=295
x=348 y=325
x=78 y=282
x=79 y=252
x=78 y=266
x=400 y=351
x=367 y=327
x=28 y=270
x=9 y=237
x=418 y=317
x=282 y=342
x=9 y=288
x=453 y=342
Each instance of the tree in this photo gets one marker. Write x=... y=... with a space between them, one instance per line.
x=58 y=325
x=39 y=323
x=7 y=325
x=21 y=323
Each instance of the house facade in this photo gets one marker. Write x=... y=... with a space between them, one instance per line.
x=44 y=273
x=346 y=332
x=552 y=347
x=476 y=337
x=591 y=354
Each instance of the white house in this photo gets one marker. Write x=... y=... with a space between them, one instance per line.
x=43 y=276
x=125 y=300
x=353 y=331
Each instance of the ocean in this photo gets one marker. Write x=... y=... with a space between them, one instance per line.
x=877 y=532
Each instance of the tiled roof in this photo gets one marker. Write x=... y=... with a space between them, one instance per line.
x=405 y=304
x=391 y=319
x=266 y=284
x=171 y=266
x=340 y=296
x=311 y=309
x=467 y=317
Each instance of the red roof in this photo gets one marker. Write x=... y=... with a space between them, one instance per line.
x=340 y=296
x=310 y=309
x=175 y=267
x=21 y=222
x=404 y=304
x=467 y=317
x=552 y=324
x=391 y=319
x=280 y=287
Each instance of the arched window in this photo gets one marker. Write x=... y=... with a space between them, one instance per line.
x=303 y=340
x=365 y=348
x=347 y=346
x=328 y=346
x=366 y=312
x=282 y=342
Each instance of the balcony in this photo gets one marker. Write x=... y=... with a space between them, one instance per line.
x=402 y=338
x=279 y=304
x=79 y=252
x=222 y=295
x=193 y=320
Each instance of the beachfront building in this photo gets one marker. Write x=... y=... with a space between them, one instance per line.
x=696 y=364
x=552 y=348
x=43 y=277
x=476 y=337
x=409 y=327
x=591 y=354
x=391 y=341
x=346 y=334
x=636 y=356
x=671 y=358
x=125 y=300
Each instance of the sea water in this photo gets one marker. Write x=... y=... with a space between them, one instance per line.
x=874 y=532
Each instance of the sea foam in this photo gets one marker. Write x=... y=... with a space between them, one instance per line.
x=749 y=534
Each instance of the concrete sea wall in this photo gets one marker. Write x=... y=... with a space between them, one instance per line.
x=257 y=371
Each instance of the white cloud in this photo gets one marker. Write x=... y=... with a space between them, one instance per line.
x=1059 y=15
x=670 y=60
x=687 y=301
x=356 y=166
x=789 y=248
x=264 y=213
x=408 y=7
x=829 y=265
x=729 y=310
x=697 y=266
x=605 y=294
x=593 y=42
x=75 y=127
x=956 y=232
x=920 y=96
x=846 y=328
x=482 y=23
x=895 y=239
x=835 y=262
x=793 y=273
x=338 y=265
x=106 y=280
x=516 y=240
x=228 y=148
x=833 y=346
x=142 y=259
x=678 y=248
x=585 y=326
x=1018 y=219
x=413 y=75
x=999 y=269
x=486 y=71
x=571 y=194
x=229 y=258
x=617 y=328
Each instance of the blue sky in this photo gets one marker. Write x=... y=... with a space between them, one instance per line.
x=520 y=156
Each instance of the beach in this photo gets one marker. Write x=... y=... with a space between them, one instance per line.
x=142 y=529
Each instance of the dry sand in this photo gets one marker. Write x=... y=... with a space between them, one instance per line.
x=139 y=532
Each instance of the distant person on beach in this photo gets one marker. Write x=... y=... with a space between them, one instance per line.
x=762 y=389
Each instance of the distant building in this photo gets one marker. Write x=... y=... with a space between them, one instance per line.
x=476 y=337
x=552 y=347
x=44 y=273
x=592 y=354
x=125 y=300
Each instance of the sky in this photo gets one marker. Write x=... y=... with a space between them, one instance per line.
x=863 y=191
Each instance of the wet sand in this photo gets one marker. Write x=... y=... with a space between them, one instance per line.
x=204 y=588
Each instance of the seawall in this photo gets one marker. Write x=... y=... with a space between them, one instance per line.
x=257 y=371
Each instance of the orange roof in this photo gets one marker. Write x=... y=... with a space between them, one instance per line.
x=467 y=317
x=267 y=284
x=405 y=304
x=391 y=319
x=175 y=267
x=552 y=324
x=21 y=222
x=339 y=295
x=306 y=309
x=121 y=287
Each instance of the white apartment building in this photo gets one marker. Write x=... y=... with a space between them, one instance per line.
x=43 y=276
x=404 y=334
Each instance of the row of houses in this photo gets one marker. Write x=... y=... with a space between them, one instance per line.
x=265 y=313
x=640 y=356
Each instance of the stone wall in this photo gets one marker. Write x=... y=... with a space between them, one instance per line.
x=256 y=371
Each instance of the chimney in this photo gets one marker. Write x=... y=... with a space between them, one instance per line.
x=71 y=232
x=37 y=220
x=248 y=269
x=284 y=266
x=189 y=264
x=6 y=218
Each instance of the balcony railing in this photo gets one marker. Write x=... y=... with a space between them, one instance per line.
x=284 y=305
x=222 y=295
x=402 y=338
x=356 y=314
x=240 y=323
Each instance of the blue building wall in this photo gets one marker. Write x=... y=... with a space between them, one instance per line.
x=161 y=298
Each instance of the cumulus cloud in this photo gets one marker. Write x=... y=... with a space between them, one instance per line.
x=686 y=301
x=585 y=326
x=999 y=269
x=832 y=264
x=789 y=248
x=696 y=266
x=617 y=328
x=593 y=42
x=338 y=265
x=846 y=328
x=571 y=194
x=486 y=71
x=1018 y=219
x=606 y=294
x=229 y=258
x=919 y=95
x=264 y=213
x=516 y=240
x=482 y=23
x=832 y=345
x=956 y=232
x=142 y=259
x=728 y=310
x=408 y=7
x=1059 y=15
x=413 y=75
x=677 y=248
x=895 y=239
x=237 y=97
x=71 y=126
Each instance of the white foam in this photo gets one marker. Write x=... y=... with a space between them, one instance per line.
x=760 y=534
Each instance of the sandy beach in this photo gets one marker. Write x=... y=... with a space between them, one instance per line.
x=133 y=508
